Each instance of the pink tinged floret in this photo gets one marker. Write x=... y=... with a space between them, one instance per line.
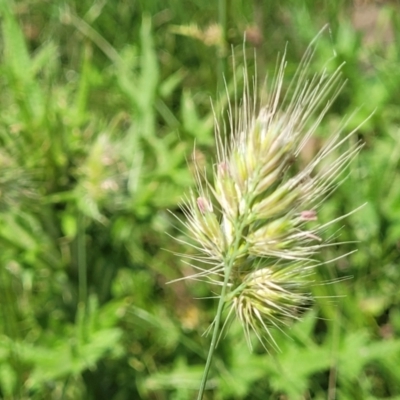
x=308 y=215
x=204 y=205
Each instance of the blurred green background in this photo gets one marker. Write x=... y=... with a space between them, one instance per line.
x=101 y=105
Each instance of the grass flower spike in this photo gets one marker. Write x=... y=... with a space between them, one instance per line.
x=255 y=226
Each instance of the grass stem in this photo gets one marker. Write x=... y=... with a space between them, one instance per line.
x=231 y=257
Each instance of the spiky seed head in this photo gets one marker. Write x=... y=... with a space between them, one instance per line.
x=256 y=236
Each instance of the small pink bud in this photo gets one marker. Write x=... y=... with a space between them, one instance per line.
x=204 y=205
x=308 y=215
x=223 y=169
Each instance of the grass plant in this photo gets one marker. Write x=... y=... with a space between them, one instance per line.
x=254 y=225
x=101 y=103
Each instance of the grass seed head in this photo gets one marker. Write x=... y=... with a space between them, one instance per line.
x=251 y=224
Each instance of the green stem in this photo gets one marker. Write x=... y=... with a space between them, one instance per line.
x=231 y=257
x=222 y=18
x=215 y=334
x=217 y=320
x=82 y=267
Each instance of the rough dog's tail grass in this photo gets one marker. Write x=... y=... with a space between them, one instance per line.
x=255 y=226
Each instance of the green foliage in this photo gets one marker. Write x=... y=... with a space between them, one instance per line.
x=101 y=105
